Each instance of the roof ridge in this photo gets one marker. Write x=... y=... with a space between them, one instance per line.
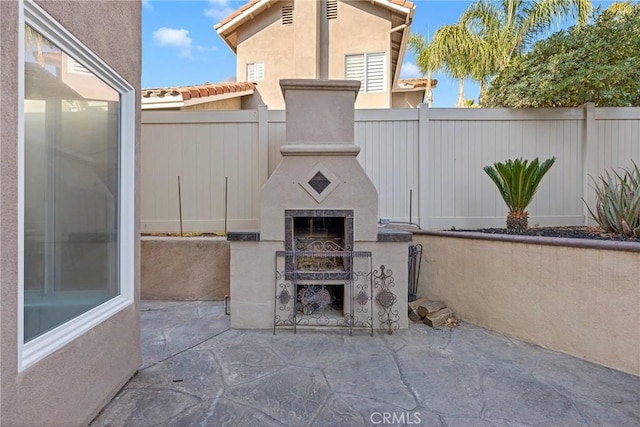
x=402 y=3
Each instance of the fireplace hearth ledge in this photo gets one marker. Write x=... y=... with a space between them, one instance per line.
x=244 y=236
x=384 y=235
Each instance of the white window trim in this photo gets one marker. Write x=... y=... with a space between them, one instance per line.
x=256 y=65
x=365 y=71
x=40 y=347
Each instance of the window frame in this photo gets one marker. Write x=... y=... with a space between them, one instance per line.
x=365 y=72
x=40 y=347
x=255 y=65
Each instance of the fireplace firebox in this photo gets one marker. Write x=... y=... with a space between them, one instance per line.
x=318 y=240
x=318 y=281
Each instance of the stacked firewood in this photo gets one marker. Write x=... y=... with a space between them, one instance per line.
x=432 y=313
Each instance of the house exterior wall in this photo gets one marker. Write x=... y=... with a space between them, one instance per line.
x=411 y=99
x=71 y=385
x=83 y=84
x=224 y=104
x=265 y=39
x=293 y=50
x=346 y=36
x=306 y=48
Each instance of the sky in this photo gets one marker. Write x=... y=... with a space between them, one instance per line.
x=180 y=46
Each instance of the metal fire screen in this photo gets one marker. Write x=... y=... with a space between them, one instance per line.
x=323 y=288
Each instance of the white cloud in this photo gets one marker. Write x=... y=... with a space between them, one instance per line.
x=219 y=9
x=147 y=4
x=199 y=48
x=410 y=71
x=175 y=38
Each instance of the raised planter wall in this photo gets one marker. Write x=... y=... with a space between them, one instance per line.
x=583 y=301
x=184 y=268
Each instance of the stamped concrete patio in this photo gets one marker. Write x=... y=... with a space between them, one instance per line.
x=198 y=372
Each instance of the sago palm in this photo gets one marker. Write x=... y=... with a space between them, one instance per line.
x=517 y=181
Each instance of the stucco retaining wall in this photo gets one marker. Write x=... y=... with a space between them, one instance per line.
x=184 y=268
x=575 y=296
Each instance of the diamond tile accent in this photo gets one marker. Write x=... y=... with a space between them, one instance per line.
x=319 y=182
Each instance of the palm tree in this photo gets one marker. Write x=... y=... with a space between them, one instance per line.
x=454 y=50
x=510 y=26
x=490 y=33
x=425 y=61
x=34 y=39
x=458 y=51
x=517 y=181
x=621 y=8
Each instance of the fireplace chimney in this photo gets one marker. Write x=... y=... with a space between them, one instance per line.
x=319 y=169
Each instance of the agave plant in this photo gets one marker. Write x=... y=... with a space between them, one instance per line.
x=618 y=201
x=517 y=181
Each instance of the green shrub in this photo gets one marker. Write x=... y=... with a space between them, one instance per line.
x=618 y=201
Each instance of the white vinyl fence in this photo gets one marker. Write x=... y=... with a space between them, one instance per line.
x=426 y=163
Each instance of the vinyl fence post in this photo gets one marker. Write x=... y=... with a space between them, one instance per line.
x=263 y=158
x=423 y=167
x=589 y=157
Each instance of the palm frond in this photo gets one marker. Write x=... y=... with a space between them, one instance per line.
x=498 y=181
x=489 y=34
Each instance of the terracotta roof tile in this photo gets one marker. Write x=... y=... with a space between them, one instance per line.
x=198 y=91
x=237 y=12
x=415 y=83
x=402 y=3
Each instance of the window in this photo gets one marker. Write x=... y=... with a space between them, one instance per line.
x=76 y=179
x=369 y=69
x=255 y=72
x=74 y=66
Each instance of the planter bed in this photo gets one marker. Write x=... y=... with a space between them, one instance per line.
x=184 y=268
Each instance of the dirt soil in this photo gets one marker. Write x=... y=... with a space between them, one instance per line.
x=574 y=232
x=189 y=234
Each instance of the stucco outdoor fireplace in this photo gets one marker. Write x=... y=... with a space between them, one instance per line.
x=319 y=258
